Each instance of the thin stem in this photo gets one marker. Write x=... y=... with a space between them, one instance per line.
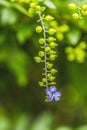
x=45 y=55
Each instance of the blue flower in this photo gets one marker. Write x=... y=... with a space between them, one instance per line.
x=53 y=94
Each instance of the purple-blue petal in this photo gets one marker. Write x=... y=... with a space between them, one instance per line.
x=48 y=92
x=56 y=98
x=53 y=89
x=50 y=98
x=57 y=93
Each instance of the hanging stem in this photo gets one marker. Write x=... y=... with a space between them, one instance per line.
x=45 y=54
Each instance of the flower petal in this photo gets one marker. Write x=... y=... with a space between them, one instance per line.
x=56 y=98
x=53 y=89
x=50 y=98
x=48 y=92
x=57 y=93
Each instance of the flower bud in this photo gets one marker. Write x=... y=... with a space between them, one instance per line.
x=49 y=65
x=33 y=5
x=31 y=12
x=51 y=39
x=52 y=57
x=51 y=31
x=53 y=44
x=41 y=41
x=38 y=8
x=49 y=18
x=37 y=59
x=41 y=84
x=51 y=78
x=72 y=6
x=44 y=80
x=47 y=49
x=75 y=16
x=38 y=29
x=41 y=53
x=84 y=7
x=53 y=71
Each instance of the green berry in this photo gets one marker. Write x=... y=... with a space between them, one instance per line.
x=48 y=49
x=51 y=78
x=75 y=16
x=41 y=53
x=52 y=52
x=38 y=8
x=49 y=75
x=31 y=12
x=51 y=31
x=41 y=84
x=83 y=45
x=72 y=6
x=49 y=18
x=53 y=71
x=41 y=41
x=44 y=80
x=71 y=57
x=84 y=12
x=37 y=59
x=69 y=50
x=33 y=5
x=53 y=44
x=60 y=36
x=51 y=39
x=38 y=29
x=84 y=7
x=49 y=65
x=53 y=24
x=52 y=57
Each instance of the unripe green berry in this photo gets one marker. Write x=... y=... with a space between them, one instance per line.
x=52 y=57
x=84 y=7
x=49 y=75
x=41 y=84
x=51 y=78
x=83 y=45
x=71 y=57
x=38 y=29
x=31 y=12
x=51 y=31
x=48 y=49
x=53 y=44
x=37 y=59
x=69 y=50
x=53 y=24
x=75 y=16
x=41 y=41
x=33 y=5
x=49 y=18
x=44 y=80
x=49 y=65
x=72 y=6
x=41 y=53
x=38 y=8
x=52 y=52
x=53 y=71
x=51 y=39
x=84 y=12
x=60 y=36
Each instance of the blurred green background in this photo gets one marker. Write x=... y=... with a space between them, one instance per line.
x=22 y=105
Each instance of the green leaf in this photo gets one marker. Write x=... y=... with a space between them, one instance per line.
x=74 y=36
x=17 y=6
x=50 y=4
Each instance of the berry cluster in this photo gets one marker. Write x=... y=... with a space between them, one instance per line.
x=78 y=10
x=47 y=53
x=77 y=54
